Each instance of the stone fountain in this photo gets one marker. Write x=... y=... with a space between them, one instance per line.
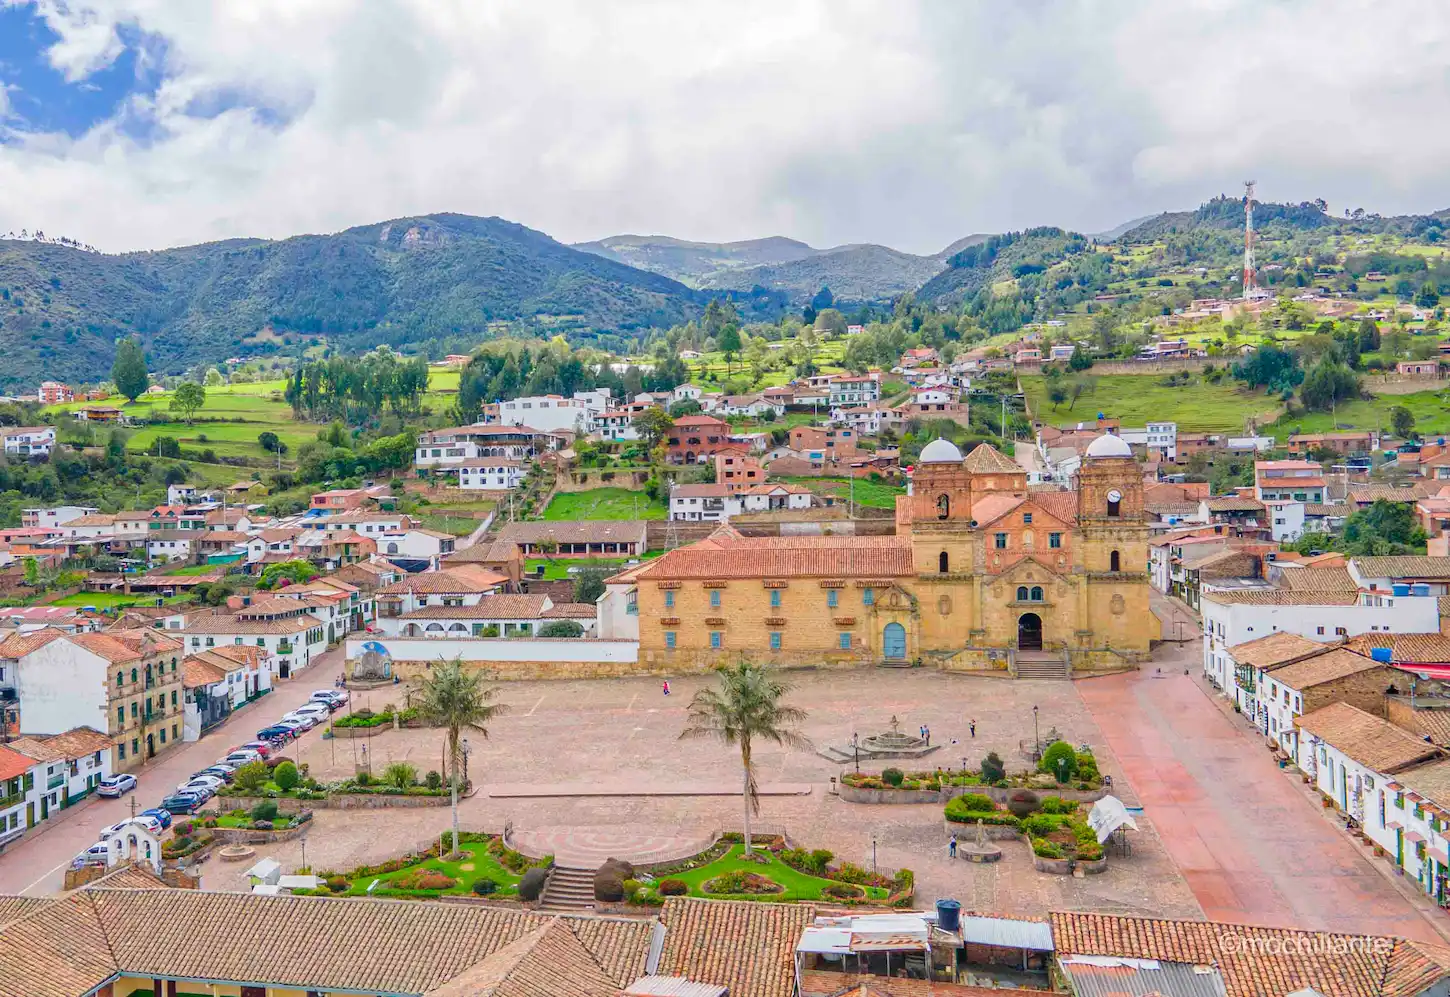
x=889 y=743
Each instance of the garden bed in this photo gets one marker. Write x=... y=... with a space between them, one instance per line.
x=486 y=869
x=354 y=800
x=1052 y=826
x=772 y=873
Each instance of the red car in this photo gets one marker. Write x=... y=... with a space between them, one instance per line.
x=260 y=747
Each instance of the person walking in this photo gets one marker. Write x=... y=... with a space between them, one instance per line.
x=952 y=847
x=926 y=733
x=973 y=728
x=665 y=688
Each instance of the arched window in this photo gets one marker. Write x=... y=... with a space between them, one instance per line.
x=1113 y=508
x=133 y=675
x=943 y=506
x=1113 y=562
x=1022 y=593
x=941 y=562
x=1037 y=593
x=392 y=548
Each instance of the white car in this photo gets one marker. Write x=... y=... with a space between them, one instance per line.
x=198 y=787
x=330 y=696
x=214 y=781
x=115 y=785
x=304 y=721
x=145 y=820
x=97 y=851
x=314 y=708
x=242 y=757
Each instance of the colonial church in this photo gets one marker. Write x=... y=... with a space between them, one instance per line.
x=981 y=569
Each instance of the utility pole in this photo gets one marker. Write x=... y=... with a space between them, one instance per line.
x=1251 y=272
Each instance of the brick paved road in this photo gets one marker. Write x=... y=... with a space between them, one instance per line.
x=1254 y=850
x=36 y=864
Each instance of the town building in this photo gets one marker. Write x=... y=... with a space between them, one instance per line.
x=1345 y=443
x=55 y=393
x=695 y=439
x=452 y=446
x=934 y=403
x=461 y=585
x=1290 y=480
x=553 y=413
x=490 y=616
x=27 y=441
x=220 y=680
x=854 y=389
x=977 y=557
x=284 y=628
x=69 y=767
x=50 y=518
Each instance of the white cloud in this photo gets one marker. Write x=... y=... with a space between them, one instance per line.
x=829 y=120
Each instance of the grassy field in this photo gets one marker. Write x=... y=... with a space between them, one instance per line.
x=871 y=494
x=557 y=570
x=1430 y=409
x=1137 y=398
x=798 y=885
x=108 y=600
x=604 y=503
x=475 y=864
x=454 y=523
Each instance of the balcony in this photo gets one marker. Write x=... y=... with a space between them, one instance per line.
x=55 y=782
x=285 y=647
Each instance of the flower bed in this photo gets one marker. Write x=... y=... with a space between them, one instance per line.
x=1053 y=826
x=486 y=868
x=367 y=718
x=772 y=873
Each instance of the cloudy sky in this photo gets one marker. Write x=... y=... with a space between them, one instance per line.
x=148 y=123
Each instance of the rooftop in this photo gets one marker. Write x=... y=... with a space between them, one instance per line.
x=1333 y=664
x=576 y=531
x=1274 y=650
x=1374 y=743
x=726 y=554
x=1404 y=566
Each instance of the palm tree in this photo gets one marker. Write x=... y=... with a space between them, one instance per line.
x=745 y=705
x=455 y=699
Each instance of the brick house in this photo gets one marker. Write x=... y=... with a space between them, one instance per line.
x=695 y=439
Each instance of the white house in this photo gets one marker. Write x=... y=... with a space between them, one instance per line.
x=171 y=545
x=1371 y=770
x=1411 y=574
x=19 y=812
x=28 y=441
x=282 y=627
x=96 y=524
x=456 y=587
x=550 y=413
x=180 y=494
x=852 y=389
x=70 y=766
x=687 y=392
x=486 y=473
x=278 y=545
x=1236 y=617
x=1286 y=519
x=46 y=519
x=713 y=503
x=1310 y=684
x=492 y=615
x=417 y=544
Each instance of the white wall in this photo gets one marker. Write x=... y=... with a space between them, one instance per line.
x=501 y=649
x=613 y=611
x=1286 y=520
x=61 y=686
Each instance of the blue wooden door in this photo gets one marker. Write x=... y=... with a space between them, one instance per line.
x=893 y=641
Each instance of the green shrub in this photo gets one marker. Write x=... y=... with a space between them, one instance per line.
x=957 y=813
x=1040 y=825
x=363 y=778
x=1057 y=805
x=820 y=859
x=1043 y=848
x=993 y=770
x=264 y=811
x=251 y=777
x=400 y=775
x=980 y=802
x=532 y=884
x=892 y=777
x=1059 y=761
x=1023 y=802
x=336 y=884
x=483 y=886
x=433 y=780
x=286 y=777
x=1087 y=767
x=673 y=887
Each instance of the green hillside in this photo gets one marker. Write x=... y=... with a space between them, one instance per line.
x=406 y=282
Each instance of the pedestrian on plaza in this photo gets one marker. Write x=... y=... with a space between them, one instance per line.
x=666 y=687
x=921 y=731
x=973 y=728
x=952 y=847
x=926 y=733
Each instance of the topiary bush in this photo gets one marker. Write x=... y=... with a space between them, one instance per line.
x=1087 y=767
x=532 y=884
x=1023 y=802
x=993 y=771
x=363 y=778
x=893 y=777
x=286 y=776
x=433 y=780
x=977 y=801
x=1059 y=761
x=264 y=811
x=609 y=880
x=957 y=812
x=483 y=886
x=673 y=887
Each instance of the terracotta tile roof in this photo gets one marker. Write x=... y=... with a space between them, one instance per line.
x=197 y=672
x=746 y=946
x=12 y=907
x=18 y=645
x=1281 y=597
x=577 y=531
x=243 y=654
x=1325 y=667
x=550 y=961
x=827 y=984
x=571 y=611
x=58 y=950
x=93 y=519
x=13 y=763
x=490 y=607
x=1248 y=957
x=444 y=582
x=224 y=537
x=277 y=536
x=1414 y=967
x=1233 y=503
x=74 y=743
x=1434 y=724
x=1276 y=649
x=1406 y=566
x=987 y=459
x=726 y=554
x=126 y=645
x=1324 y=509
x=1423 y=649
x=229 y=625
x=1377 y=744
x=1386 y=493
x=992 y=507
x=498 y=550
x=1431 y=780
x=1318 y=580
x=1230 y=563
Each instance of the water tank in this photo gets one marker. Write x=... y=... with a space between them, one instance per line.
x=1419 y=590
x=1380 y=654
x=1400 y=589
x=948 y=915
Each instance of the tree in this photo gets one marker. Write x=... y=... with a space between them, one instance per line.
x=746 y=705
x=561 y=628
x=457 y=701
x=589 y=584
x=823 y=299
x=128 y=371
x=684 y=407
x=1105 y=330
x=1429 y=295
x=188 y=400
x=269 y=441
x=286 y=776
x=1080 y=360
x=653 y=425
x=214 y=378
x=1269 y=367
x=1328 y=383
x=251 y=776
x=1402 y=421
x=1056 y=392
x=289 y=572
x=729 y=342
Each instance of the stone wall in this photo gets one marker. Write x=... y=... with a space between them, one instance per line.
x=582 y=479
x=1365 y=690
x=247 y=836
x=999 y=794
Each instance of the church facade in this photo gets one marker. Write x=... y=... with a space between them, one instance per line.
x=981 y=570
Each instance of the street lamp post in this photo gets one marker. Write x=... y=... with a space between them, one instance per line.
x=856 y=747
x=1036 y=738
x=465 y=763
x=873 y=853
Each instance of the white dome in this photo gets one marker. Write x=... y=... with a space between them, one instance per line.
x=941 y=452
x=1109 y=445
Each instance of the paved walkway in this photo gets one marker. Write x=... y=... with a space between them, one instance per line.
x=588 y=847
x=1253 y=850
x=641 y=787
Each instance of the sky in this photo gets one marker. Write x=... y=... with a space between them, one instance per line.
x=141 y=124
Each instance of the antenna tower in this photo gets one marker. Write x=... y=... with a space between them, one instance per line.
x=1251 y=272
x=672 y=531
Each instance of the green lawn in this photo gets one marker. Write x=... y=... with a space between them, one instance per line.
x=1137 y=398
x=476 y=864
x=108 y=600
x=871 y=494
x=194 y=569
x=798 y=885
x=458 y=525
x=1430 y=409
x=604 y=503
x=558 y=569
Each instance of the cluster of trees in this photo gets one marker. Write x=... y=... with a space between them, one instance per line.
x=338 y=453
x=508 y=369
x=357 y=388
x=1383 y=529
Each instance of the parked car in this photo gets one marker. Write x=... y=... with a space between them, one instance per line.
x=338 y=696
x=196 y=787
x=182 y=803
x=304 y=721
x=277 y=734
x=260 y=747
x=216 y=782
x=242 y=757
x=116 y=785
x=148 y=821
x=223 y=772
x=314 y=708
x=97 y=851
x=164 y=816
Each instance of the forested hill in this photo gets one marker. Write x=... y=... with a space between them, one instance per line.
x=410 y=281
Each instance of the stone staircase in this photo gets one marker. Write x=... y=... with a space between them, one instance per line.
x=568 y=891
x=1042 y=665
